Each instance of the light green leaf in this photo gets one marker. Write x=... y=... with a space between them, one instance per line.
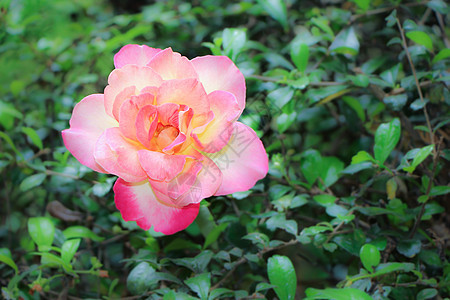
x=282 y=275
x=33 y=136
x=81 y=232
x=426 y=294
x=337 y=294
x=69 y=248
x=440 y=190
x=370 y=256
x=443 y=54
x=362 y=156
x=300 y=55
x=8 y=261
x=42 y=231
x=420 y=156
x=277 y=10
x=386 y=138
x=421 y=38
x=234 y=40
x=31 y=182
x=346 y=42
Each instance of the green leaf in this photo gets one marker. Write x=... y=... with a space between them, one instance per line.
x=363 y=4
x=280 y=97
x=337 y=294
x=386 y=138
x=352 y=169
x=282 y=275
x=440 y=190
x=234 y=40
x=8 y=261
x=360 y=80
x=32 y=181
x=68 y=249
x=81 y=232
x=300 y=55
x=7 y=115
x=345 y=42
x=200 y=284
x=393 y=267
x=419 y=157
x=214 y=234
x=421 y=38
x=426 y=294
x=362 y=156
x=284 y=121
x=396 y=102
x=409 y=248
x=42 y=231
x=443 y=54
x=325 y=200
x=390 y=75
x=277 y=10
x=33 y=136
x=141 y=278
x=196 y=264
x=438 y=6
x=370 y=256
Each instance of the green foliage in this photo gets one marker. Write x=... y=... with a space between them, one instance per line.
x=350 y=99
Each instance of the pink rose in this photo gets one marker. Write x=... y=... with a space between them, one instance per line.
x=166 y=126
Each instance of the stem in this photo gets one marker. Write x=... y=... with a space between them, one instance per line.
x=419 y=90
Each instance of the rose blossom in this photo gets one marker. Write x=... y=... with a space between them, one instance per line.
x=167 y=127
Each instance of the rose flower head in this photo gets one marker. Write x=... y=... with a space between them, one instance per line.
x=167 y=127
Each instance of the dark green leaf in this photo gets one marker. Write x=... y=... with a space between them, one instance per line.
x=200 y=284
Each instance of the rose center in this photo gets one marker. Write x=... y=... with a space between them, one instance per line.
x=166 y=135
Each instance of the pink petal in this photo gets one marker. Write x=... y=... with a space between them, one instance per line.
x=119 y=155
x=209 y=179
x=189 y=92
x=220 y=73
x=242 y=162
x=168 y=114
x=199 y=179
x=216 y=134
x=89 y=120
x=135 y=55
x=137 y=202
x=146 y=123
x=160 y=166
x=171 y=65
x=126 y=77
x=129 y=112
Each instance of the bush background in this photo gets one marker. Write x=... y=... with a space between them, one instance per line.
x=349 y=97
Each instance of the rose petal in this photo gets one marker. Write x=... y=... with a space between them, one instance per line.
x=119 y=155
x=171 y=65
x=137 y=202
x=242 y=162
x=89 y=120
x=160 y=166
x=125 y=77
x=129 y=112
x=135 y=55
x=189 y=92
x=216 y=134
x=220 y=73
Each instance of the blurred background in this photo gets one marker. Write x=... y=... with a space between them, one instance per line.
x=322 y=76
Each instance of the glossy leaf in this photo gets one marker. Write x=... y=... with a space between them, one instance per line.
x=421 y=38
x=141 y=278
x=69 y=248
x=386 y=138
x=282 y=275
x=42 y=231
x=277 y=10
x=81 y=232
x=370 y=256
x=200 y=284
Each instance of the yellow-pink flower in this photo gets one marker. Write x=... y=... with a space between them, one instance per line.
x=167 y=127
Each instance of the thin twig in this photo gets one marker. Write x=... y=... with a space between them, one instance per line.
x=419 y=90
